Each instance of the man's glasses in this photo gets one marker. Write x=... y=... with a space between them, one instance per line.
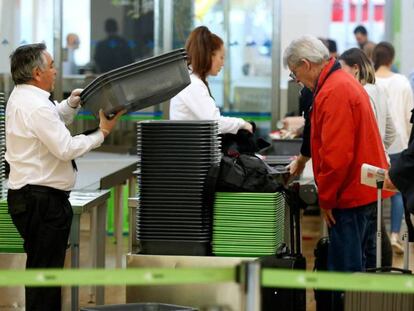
x=292 y=76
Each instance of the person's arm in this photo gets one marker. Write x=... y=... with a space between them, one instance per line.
x=52 y=132
x=390 y=131
x=402 y=172
x=199 y=101
x=409 y=105
x=297 y=166
x=69 y=107
x=337 y=147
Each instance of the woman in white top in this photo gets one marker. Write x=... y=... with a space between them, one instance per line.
x=205 y=58
x=401 y=103
x=355 y=62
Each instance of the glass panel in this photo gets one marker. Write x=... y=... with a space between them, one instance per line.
x=250 y=60
x=243 y=87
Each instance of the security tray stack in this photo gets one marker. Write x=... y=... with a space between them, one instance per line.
x=174 y=217
x=138 y=85
x=10 y=239
x=248 y=224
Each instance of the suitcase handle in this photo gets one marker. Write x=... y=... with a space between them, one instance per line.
x=389 y=269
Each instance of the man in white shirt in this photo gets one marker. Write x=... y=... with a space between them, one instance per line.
x=40 y=150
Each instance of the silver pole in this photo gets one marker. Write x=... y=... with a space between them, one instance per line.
x=57 y=47
x=406 y=250
x=359 y=12
x=168 y=26
x=347 y=19
x=276 y=60
x=226 y=69
x=167 y=39
x=253 y=299
x=157 y=27
x=379 y=232
x=371 y=9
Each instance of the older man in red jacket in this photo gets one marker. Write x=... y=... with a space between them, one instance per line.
x=344 y=135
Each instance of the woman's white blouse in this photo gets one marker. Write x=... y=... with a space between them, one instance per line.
x=195 y=103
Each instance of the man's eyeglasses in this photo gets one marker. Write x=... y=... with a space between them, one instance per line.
x=292 y=76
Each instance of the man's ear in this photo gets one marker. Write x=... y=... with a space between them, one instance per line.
x=36 y=73
x=306 y=63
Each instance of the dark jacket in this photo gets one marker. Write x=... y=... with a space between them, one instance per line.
x=402 y=173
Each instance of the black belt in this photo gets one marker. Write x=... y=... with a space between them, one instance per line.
x=44 y=189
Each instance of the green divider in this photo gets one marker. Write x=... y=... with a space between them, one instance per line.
x=365 y=282
x=111 y=208
x=372 y=282
x=138 y=276
x=110 y=213
x=125 y=193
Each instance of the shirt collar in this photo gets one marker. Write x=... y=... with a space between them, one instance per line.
x=33 y=88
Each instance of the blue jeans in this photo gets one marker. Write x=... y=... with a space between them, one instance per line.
x=397 y=205
x=351 y=243
x=350 y=239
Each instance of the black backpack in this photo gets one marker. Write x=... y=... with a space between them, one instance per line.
x=246 y=173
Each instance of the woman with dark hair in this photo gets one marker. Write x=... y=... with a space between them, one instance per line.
x=355 y=62
x=205 y=58
x=399 y=91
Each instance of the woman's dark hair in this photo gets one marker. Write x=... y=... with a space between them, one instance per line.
x=200 y=46
x=383 y=54
x=24 y=59
x=366 y=72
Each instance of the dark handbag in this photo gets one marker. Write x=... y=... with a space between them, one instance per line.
x=246 y=173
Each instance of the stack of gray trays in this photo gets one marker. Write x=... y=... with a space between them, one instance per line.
x=173 y=215
x=138 y=85
x=2 y=145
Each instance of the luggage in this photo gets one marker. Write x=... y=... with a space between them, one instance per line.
x=323 y=298
x=284 y=298
x=368 y=301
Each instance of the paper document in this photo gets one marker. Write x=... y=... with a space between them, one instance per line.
x=371 y=174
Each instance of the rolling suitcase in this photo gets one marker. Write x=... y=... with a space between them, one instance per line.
x=286 y=258
x=369 y=301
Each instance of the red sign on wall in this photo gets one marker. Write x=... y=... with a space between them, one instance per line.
x=338 y=11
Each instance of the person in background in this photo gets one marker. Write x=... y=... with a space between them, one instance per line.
x=69 y=64
x=205 y=58
x=40 y=151
x=399 y=91
x=114 y=51
x=344 y=135
x=355 y=62
x=331 y=45
x=361 y=36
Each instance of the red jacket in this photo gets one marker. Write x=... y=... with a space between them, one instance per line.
x=344 y=135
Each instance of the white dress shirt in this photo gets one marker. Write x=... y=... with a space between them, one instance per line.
x=401 y=102
x=39 y=147
x=381 y=106
x=195 y=103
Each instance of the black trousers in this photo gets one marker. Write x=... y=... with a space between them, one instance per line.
x=43 y=217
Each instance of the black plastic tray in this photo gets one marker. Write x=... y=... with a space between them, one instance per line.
x=182 y=247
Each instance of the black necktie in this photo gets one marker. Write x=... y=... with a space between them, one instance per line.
x=75 y=167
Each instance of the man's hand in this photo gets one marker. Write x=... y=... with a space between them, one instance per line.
x=328 y=217
x=74 y=99
x=297 y=166
x=106 y=125
x=388 y=185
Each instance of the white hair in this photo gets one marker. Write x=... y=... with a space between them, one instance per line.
x=306 y=47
